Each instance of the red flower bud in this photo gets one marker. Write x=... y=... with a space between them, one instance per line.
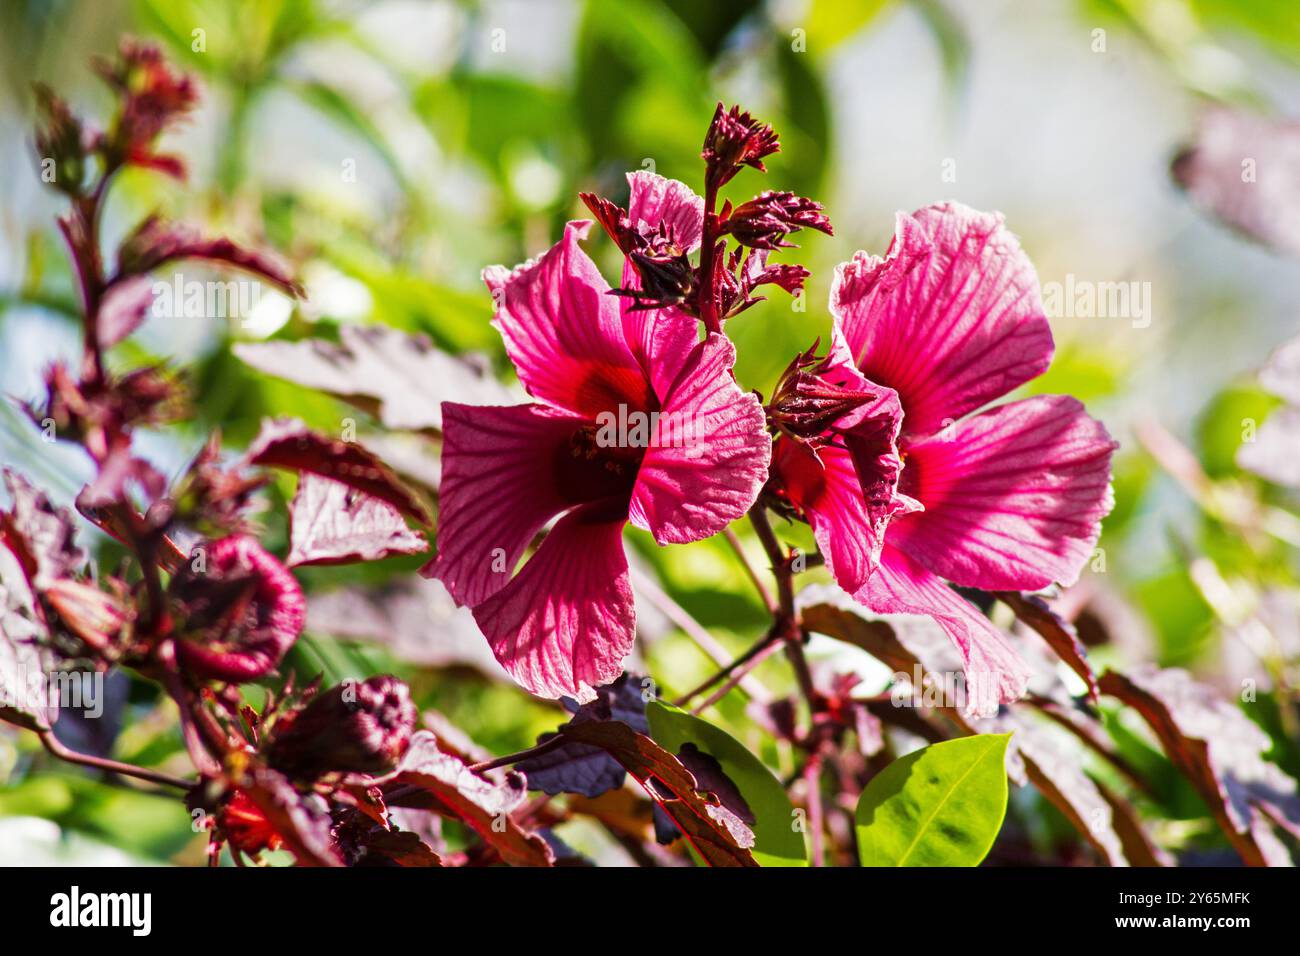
x=352 y=727
x=806 y=403
x=60 y=138
x=241 y=611
x=765 y=221
x=736 y=139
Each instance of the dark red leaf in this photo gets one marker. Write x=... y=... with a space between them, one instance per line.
x=1220 y=750
x=156 y=242
x=445 y=784
x=402 y=378
x=414 y=617
x=335 y=524
x=40 y=534
x=123 y=308
x=289 y=444
x=301 y=821
x=715 y=833
x=1059 y=633
x=581 y=768
x=1036 y=754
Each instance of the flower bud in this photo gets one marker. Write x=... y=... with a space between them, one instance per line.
x=736 y=139
x=86 y=611
x=240 y=609
x=765 y=221
x=806 y=403
x=352 y=727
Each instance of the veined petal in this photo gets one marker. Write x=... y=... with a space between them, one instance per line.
x=655 y=199
x=995 y=672
x=661 y=339
x=709 y=454
x=563 y=332
x=825 y=487
x=1013 y=497
x=498 y=489
x=951 y=319
x=564 y=624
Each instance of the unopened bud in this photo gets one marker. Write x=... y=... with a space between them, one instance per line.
x=352 y=727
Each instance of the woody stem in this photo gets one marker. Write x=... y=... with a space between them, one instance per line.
x=786 y=619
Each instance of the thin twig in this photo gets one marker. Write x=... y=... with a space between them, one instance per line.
x=696 y=631
x=542 y=748
x=763 y=593
x=767 y=640
x=56 y=747
x=772 y=647
x=787 y=617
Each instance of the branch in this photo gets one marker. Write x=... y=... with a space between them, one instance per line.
x=56 y=747
x=695 y=631
x=763 y=593
x=787 y=616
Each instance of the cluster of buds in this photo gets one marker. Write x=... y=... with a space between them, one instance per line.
x=765 y=221
x=660 y=259
x=734 y=140
x=214 y=499
x=722 y=285
x=153 y=98
x=807 y=404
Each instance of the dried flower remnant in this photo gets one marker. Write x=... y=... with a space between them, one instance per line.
x=240 y=611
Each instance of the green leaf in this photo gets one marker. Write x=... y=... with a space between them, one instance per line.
x=776 y=842
x=939 y=806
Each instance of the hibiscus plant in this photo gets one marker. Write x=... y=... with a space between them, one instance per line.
x=947 y=520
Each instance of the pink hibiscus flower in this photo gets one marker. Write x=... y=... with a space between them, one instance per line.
x=911 y=490
x=636 y=420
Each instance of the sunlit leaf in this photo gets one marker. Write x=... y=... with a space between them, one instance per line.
x=941 y=805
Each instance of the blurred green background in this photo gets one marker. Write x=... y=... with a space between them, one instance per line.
x=393 y=149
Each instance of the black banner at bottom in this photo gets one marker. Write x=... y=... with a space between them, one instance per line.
x=252 y=907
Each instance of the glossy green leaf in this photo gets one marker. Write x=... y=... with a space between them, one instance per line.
x=939 y=806
x=776 y=842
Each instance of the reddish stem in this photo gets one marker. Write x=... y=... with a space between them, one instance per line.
x=708 y=301
x=56 y=747
x=812 y=773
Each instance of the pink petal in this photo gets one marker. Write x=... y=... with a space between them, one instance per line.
x=656 y=200
x=1014 y=500
x=995 y=672
x=951 y=319
x=708 y=458
x=565 y=623
x=564 y=332
x=870 y=434
x=849 y=493
x=498 y=490
x=826 y=489
x=661 y=339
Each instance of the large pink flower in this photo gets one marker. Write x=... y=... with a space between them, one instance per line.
x=915 y=490
x=600 y=371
